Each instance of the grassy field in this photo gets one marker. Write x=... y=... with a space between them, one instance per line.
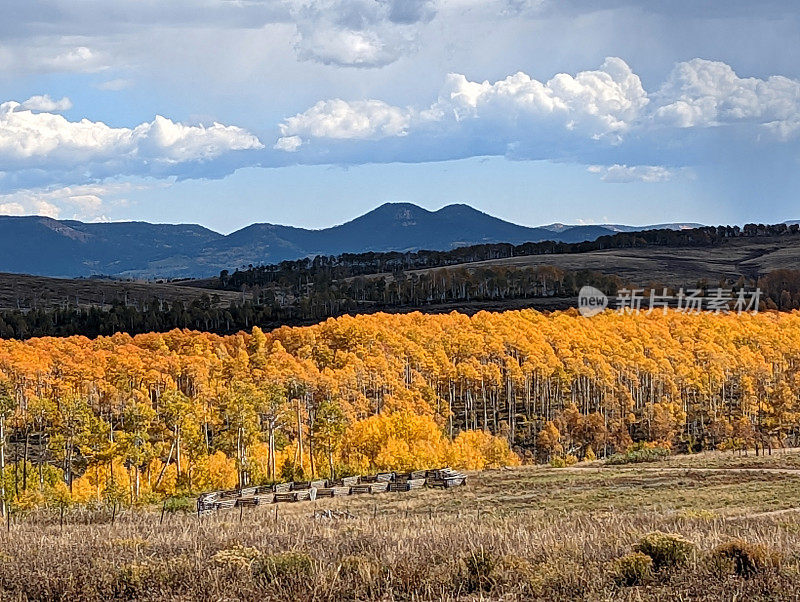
x=25 y=292
x=523 y=533
x=674 y=266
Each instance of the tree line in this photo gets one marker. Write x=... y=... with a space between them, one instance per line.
x=302 y=301
x=298 y=302
x=348 y=265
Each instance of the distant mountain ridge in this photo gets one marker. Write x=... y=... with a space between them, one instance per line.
x=558 y=227
x=66 y=248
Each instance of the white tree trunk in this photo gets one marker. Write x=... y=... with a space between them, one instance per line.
x=2 y=466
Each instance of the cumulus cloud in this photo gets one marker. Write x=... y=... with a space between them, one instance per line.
x=601 y=116
x=338 y=119
x=598 y=104
x=85 y=202
x=359 y=33
x=46 y=104
x=30 y=207
x=622 y=174
x=50 y=143
x=701 y=93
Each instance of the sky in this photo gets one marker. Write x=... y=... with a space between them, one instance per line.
x=310 y=113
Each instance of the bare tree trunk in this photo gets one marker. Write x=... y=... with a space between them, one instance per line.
x=178 y=450
x=299 y=435
x=272 y=451
x=25 y=461
x=239 y=457
x=330 y=459
x=69 y=464
x=16 y=470
x=311 y=451
x=164 y=468
x=2 y=466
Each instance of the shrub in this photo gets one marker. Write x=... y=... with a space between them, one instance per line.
x=132 y=579
x=174 y=505
x=560 y=578
x=237 y=557
x=743 y=558
x=701 y=514
x=145 y=578
x=632 y=569
x=479 y=566
x=513 y=572
x=568 y=460
x=636 y=456
x=361 y=576
x=667 y=550
x=285 y=567
x=360 y=568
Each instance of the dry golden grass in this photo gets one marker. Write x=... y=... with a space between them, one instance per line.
x=526 y=533
x=675 y=266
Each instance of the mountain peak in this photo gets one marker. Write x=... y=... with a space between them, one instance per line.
x=404 y=214
x=460 y=209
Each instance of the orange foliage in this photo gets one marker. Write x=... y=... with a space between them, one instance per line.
x=184 y=410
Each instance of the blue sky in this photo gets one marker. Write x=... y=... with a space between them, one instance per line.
x=228 y=112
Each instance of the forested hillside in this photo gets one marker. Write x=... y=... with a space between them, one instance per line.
x=496 y=276
x=302 y=301
x=135 y=416
x=348 y=265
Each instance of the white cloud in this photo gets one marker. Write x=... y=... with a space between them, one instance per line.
x=343 y=47
x=12 y=209
x=701 y=93
x=599 y=104
x=289 y=144
x=80 y=58
x=338 y=119
x=47 y=104
x=88 y=149
x=48 y=55
x=620 y=174
x=85 y=202
x=358 y=33
x=32 y=207
x=601 y=116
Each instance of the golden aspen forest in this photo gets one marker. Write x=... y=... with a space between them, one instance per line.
x=134 y=418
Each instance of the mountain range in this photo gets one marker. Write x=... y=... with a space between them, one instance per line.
x=66 y=248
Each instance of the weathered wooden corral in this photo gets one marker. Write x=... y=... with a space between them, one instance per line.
x=300 y=491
